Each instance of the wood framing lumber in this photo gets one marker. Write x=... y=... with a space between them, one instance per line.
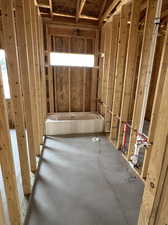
x=37 y=71
x=94 y=84
x=145 y=68
x=84 y=78
x=11 y=51
x=120 y=69
x=109 y=9
x=101 y=70
x=112 y=68
x=81 y=6
x=51 y=8
x=130 y=68
x=107 y=53
x=158 y=162
x=102 y=8
x=25 y=80
x=50 y=74
x=162 y=206
x=32 y=68
x=43 y=76
x=2 y=216
x=156 y=103
x=6 y=161
x=102 y=66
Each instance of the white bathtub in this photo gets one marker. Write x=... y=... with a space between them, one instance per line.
x=74 y=123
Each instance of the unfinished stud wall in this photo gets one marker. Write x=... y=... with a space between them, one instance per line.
x=131 y=49
x=22 y=40
x=71 y=89
x=132 y=96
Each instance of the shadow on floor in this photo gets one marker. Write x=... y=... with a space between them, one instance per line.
x=83 y=182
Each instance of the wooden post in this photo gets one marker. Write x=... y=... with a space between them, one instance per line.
x=106 y=65
x=93 y=106
x=2 y=216
x=25 y=80
x=158 y=162
x=41 y=36
x=120 y=69
x=10 y=45
x=156 y=103
x=6 y=160
x=36 y=67
x=101 y=65
x=145 y=68
x=35 y=14
x=112 y=68
x=33 y=74
x=84 y=78
x=50 y=73
x=130 y=69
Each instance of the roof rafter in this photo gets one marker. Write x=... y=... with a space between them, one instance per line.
x=109 y=9
x=102 y=8
x=81 y=6
x=51 y=8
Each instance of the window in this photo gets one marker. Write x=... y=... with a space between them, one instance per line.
x=70 y=59
x=4 y=74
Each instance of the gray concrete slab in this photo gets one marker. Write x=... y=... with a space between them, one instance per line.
x=82 y=182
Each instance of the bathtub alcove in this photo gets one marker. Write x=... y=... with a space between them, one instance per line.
x=74 y=123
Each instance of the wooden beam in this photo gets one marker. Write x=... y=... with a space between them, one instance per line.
x=51 y=8
x=2 y=215
x=43 y=75
x=112 y=68
x=84 y=78
x=158 y=162
x=72 y=16
x=94 y=82
x=32 y=68
x=102 y=66
x=43 y=6
x=120 y=69
x=107 y=54
x=37 y=54
x=89 y=17
x=6 y=161
x=11 y=51
x=50 y=74
x=130 y=68
x=101 y=69
x=102 y=8
x=110 y=8
x=77 y=10
x=145 y=69
x=156 y=103
x=25 y=79
x=81 y=6
x=37 y=72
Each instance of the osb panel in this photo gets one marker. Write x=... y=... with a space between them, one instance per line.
x=43 y=2
x=71 y=32
x=61 y=79
x=72 y=85
x=76 y=89
x=64 y=6
x=92 y=8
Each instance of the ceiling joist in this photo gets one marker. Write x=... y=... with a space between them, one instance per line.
x=109 y=10
x=51 y=8
x=81 y=6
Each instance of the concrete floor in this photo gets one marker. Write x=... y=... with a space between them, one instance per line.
x=82 y=182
